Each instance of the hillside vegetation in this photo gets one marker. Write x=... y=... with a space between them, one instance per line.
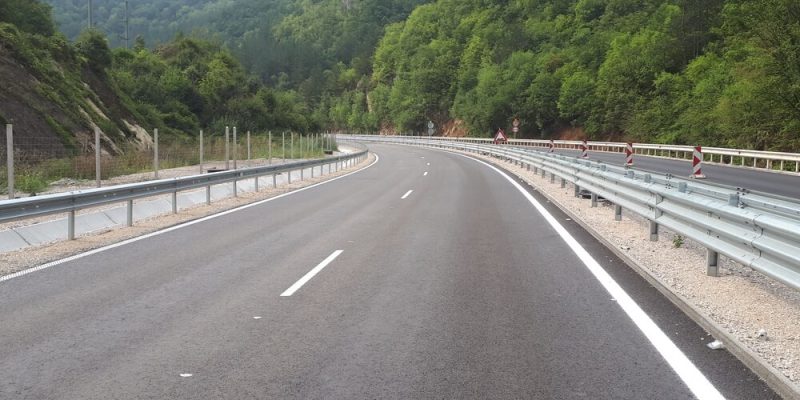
x=718 y=72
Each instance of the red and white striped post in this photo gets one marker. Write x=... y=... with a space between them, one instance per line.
x=629 y=155
x=697 y=163
x=585 y=149
x=552 y=146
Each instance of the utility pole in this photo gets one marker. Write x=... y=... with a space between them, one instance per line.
x=127 y=27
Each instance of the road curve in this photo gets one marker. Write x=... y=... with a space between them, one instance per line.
x=427 y=275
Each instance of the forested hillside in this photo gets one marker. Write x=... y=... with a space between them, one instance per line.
x=718 y=72
x=715 y=72
x=316 y=56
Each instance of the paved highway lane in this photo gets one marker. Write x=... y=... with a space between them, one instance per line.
x=751 y=179
x=428 y=275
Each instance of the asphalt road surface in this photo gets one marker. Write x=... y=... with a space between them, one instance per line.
x=427 y=275
x=752 y=179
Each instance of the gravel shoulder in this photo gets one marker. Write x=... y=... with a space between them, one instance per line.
x=30 y=257
x=739 y=304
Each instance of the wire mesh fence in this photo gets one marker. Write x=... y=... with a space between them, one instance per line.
x=41 y=165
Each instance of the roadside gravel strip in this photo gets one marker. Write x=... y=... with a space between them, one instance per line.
x=734 y=307
x=31 y=257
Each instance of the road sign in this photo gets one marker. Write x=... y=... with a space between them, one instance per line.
x=515 y=123
x=430 y=128
x=515 y=129
x=500 y=137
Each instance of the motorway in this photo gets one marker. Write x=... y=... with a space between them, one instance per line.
x=426 y=275
x=747 y=178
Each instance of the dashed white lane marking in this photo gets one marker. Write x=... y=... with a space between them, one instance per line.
x=429 y=164
x=425 y=174
x=176 y=227
x=697 y=383
x=256 y=317
x=307 y=277
x=408 y=193
x=186 y=375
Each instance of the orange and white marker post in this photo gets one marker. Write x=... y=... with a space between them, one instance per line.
x=585 y=149
x=697 y=163
x=552 y=146
x=629 y=155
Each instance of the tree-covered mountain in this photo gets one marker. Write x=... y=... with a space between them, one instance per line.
x=316 y=52
x=58 y=91
x=719 y=72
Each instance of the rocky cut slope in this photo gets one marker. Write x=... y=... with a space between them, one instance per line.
x=56 y=93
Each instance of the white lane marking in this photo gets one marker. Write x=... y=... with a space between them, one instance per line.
x=408 y=193
x=429 y=164
x=186 y=375
x=256 y=317
x=176 y=227
x=686 y=370
x=307 y=277
x=425 y=174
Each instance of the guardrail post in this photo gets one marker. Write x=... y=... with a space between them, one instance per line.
x=289 y=176
x=129 y=217
x=544 y=173
x=552 y=178
x=653 y=231
x=10 y=159
x=594 y=200
x=175 y=202
x=71 y=225
x=274 y=180
x=235 y=187
x=733 y=200
x=208 y=194
x=712 y=260
x=301 y=173
x=563 y=183
x=577 y=190
x=617 y=212
x=256 y=183
x=654 y=224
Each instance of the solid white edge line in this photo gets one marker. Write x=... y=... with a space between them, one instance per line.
x=408 y=193
x=176 y=227
x=694 y=379
x=307 y=277
x=425 y=174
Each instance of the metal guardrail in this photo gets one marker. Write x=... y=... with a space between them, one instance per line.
x=30 y=207
x=784 y=162
x=758 y=230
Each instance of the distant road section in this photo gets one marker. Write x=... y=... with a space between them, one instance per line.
x=758 y=180
x=428 y=275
